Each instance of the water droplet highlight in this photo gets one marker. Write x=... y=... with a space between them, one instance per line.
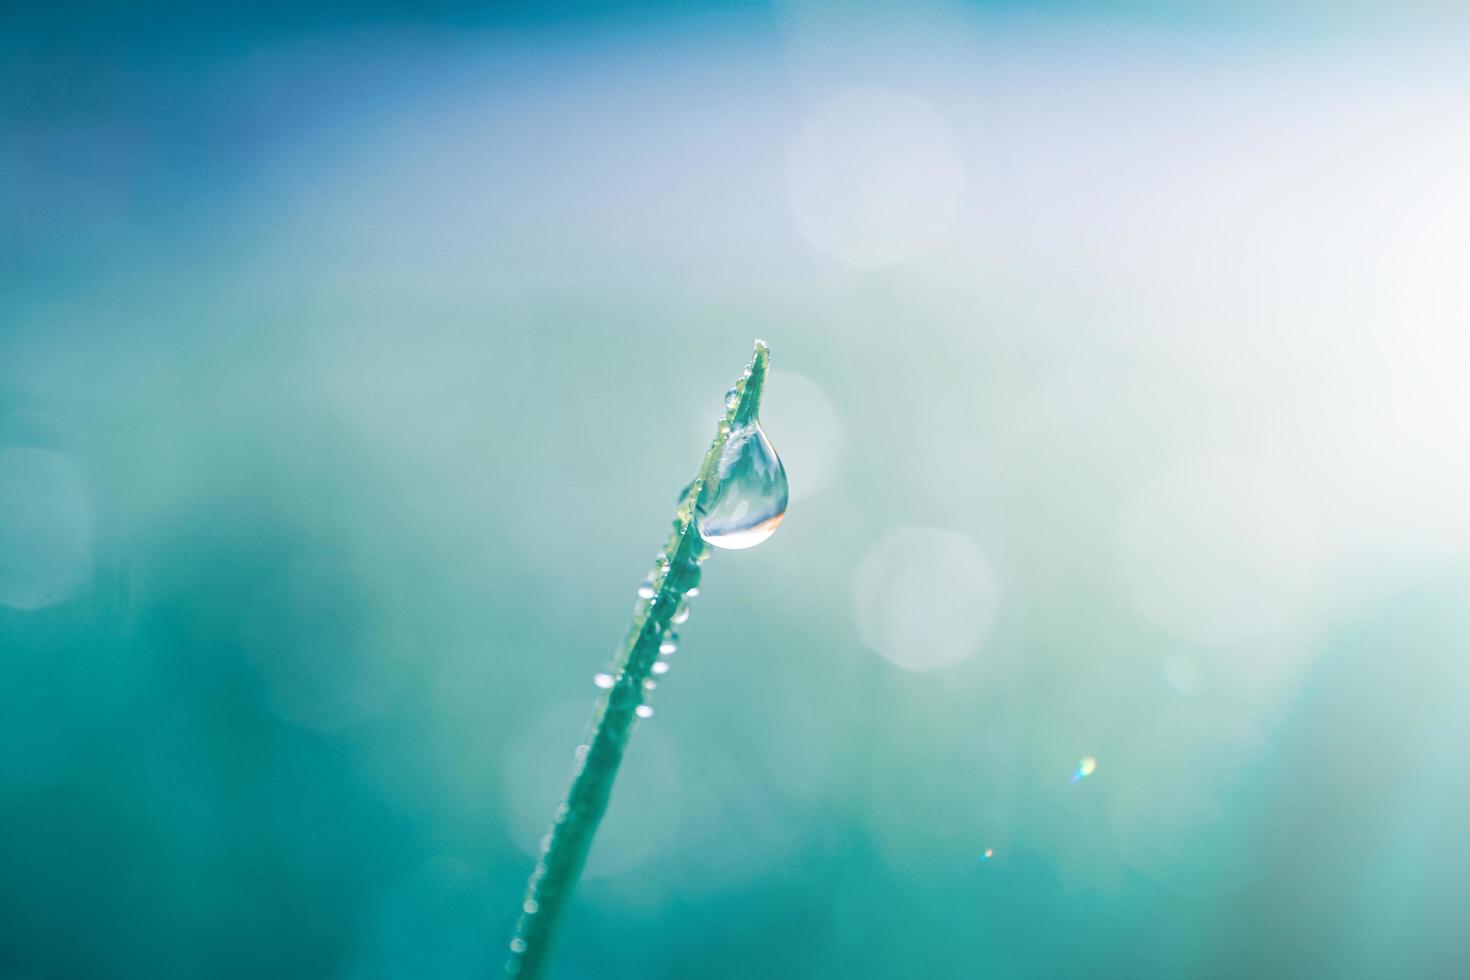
x=643 y=711
x=1086 y=766
x=681 y=615
x=668 y=646
x=518 y=945
x=530 y=906
x=661 y=667
x=603 y=681
x=746 y=498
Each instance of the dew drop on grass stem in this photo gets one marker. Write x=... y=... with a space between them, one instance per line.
x=746 y=498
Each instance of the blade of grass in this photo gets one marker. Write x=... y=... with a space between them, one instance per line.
x=675 y=573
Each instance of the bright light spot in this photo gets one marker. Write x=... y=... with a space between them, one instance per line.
x=1086 y=766
x=989 y=853
x=874 y=177
x=806 y=429
x=925 y=598
x=644 y=710
x=46 y=528
x=603 y=681
x=643 y=815
x=1218 y=549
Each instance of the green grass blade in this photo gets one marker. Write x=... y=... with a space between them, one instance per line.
x=675 y=573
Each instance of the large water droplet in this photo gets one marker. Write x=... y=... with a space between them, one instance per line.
x=746 y=497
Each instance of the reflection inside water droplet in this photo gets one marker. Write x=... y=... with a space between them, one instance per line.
x=746 y=497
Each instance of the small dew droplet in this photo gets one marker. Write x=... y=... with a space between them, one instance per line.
x=643 y=711
x=530 y=906
x=518 y=945
x=650 y=684
x=692 y=593
x=603 y=681
x=668 y=646
x=681 y=615
x=661 y=667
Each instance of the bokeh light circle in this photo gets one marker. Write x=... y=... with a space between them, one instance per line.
x=874 y=176
x=925 y=598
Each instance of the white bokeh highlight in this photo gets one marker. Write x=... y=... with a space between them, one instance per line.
x=1218 y=549
x=925 y=598
x=874 y=177
x=47 y=528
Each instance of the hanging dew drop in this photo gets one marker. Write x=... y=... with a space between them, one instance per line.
x=747 y=497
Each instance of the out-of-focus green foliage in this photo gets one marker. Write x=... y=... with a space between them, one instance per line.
x=1121 y=387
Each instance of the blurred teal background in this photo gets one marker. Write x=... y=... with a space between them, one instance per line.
x=351 y=359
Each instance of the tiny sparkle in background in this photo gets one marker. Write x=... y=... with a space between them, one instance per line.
x=1086 y=766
